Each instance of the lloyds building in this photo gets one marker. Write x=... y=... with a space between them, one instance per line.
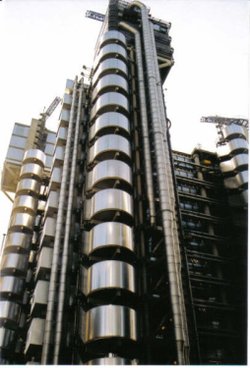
x=120 y=250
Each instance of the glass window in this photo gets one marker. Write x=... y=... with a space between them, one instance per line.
x=51 y=137
x=21 y=130
x=15 y=154
x=49 y=149
x=18 y=141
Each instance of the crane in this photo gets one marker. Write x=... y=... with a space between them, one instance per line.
x=220 y=120
x=50 y=109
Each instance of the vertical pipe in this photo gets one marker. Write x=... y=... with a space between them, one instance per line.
x=165 y=192
x=66 y=244
x=144 y=119
x=59 y=227
x=171 y=191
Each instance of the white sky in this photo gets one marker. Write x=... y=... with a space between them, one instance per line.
x=44 y=42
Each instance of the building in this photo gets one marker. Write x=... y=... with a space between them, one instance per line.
x=120 y=250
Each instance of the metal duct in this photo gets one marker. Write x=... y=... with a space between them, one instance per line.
x=144 y=120
x=66 y=244
x=163 y=170
x=57 y=242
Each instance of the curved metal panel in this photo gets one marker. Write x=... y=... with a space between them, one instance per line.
x=236 y=163
x=30 y=170
x=108 y=321
x=237 y=181
x=14 y=263
x=110 y=50
x=23 y=203
x=10 y=312
x=111 y=82
x=17 y=242
x=111 y=36
x=234 y=131
x=110 y=146
x=110 y=122
x=109 y=234
x=11 y=285
x=21 y=220
x=6 y=338
x=109 y=274
x=34 y=155
x=110 y=65
x=107 y=172
x=236 y=144
x=31 y=186
x=110 y=101
x=110 y=200
x=109 y=361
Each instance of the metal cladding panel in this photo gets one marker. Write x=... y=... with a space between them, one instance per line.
x=58 y=157
x=236 y=144
x=67 y=101
x=56 y=177
x=233 y=131
x=110 y=199
x=17 y=242
x=61 y=136
x=35 y=333
x=69 y=86
x=31 y=186
x=109 y=101
x=6 y=337
x=110 y=65
x=109 y=361
x=109 y=234
x=40 y=295
x=52 y=203
x=10 y=312
x=110 y=121
x=235 y=163
x=237 y=181
x=108 y=146
x=110 y=50
x=109 y=321
x=11 y=285
x=111 y=81
x=14 y=263
x=30 y=170
x=21 y=220
x=109 y=274
x=25 y=203
x=109 y=169
x=112 y=35
x=45 y=258
x=35 y=156
x=64 y=117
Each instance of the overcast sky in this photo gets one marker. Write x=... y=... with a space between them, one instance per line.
x=44 y=42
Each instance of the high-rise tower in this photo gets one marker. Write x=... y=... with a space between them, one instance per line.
x=120 y=251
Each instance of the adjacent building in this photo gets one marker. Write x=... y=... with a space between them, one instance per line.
x=120 y=250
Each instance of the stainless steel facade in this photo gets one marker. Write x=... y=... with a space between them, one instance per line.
x=116 y=246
